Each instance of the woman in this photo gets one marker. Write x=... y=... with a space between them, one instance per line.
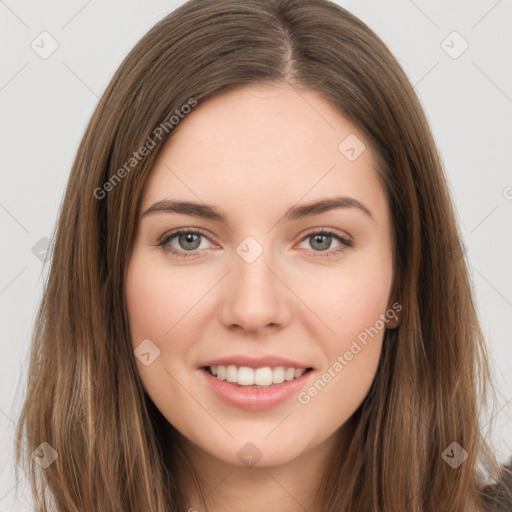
x=258 y=297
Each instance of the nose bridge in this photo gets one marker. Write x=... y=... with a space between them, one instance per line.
x=254 y=296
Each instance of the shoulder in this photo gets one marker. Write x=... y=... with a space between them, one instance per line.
x=498 y=497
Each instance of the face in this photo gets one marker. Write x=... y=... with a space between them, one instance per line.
x=252 y=283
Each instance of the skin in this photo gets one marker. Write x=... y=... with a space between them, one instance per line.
x=253 y=153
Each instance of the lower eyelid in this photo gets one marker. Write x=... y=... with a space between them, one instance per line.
x=166 y=239
x=340 y=238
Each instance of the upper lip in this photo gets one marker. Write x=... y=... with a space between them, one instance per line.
x=255 y=362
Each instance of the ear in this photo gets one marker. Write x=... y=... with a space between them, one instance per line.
x=396 y=319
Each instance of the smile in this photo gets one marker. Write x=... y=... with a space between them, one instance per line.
x=255 y=377
x=244 y=392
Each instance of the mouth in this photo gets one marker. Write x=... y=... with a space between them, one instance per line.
x=255 y=389
x=263 y=377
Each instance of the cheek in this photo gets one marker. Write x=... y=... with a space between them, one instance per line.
x=163 y=307
x=159 y=302
x=359 y=316
x=350 y=302
x=150 y=308
x=351 y=354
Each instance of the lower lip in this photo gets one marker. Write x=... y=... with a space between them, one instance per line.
x=255 y=399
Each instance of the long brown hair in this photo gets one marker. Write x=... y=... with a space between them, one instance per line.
x=85 y=399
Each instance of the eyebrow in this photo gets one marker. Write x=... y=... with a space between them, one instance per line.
x=293 y=213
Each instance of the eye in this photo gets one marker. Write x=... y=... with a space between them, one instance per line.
x=321 y=240
x=188 y=241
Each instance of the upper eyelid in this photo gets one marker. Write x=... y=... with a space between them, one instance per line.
x=345 y=237
x=178 y=231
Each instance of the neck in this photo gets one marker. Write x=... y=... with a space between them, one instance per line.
x=287 y=487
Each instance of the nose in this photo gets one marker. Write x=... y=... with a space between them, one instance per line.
x=254 y=297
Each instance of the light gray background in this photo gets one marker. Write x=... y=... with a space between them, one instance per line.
x=46 y=104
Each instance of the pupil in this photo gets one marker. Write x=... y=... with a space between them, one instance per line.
x=324 y=241
x=189 y=238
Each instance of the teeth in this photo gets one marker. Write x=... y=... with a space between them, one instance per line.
x=263 y=376
x=245 y=376
x=278 y=375
x=231 y=373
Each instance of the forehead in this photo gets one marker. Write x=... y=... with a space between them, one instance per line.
x=267 y=144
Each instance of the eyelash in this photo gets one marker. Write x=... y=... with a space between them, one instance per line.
x=168 y=249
